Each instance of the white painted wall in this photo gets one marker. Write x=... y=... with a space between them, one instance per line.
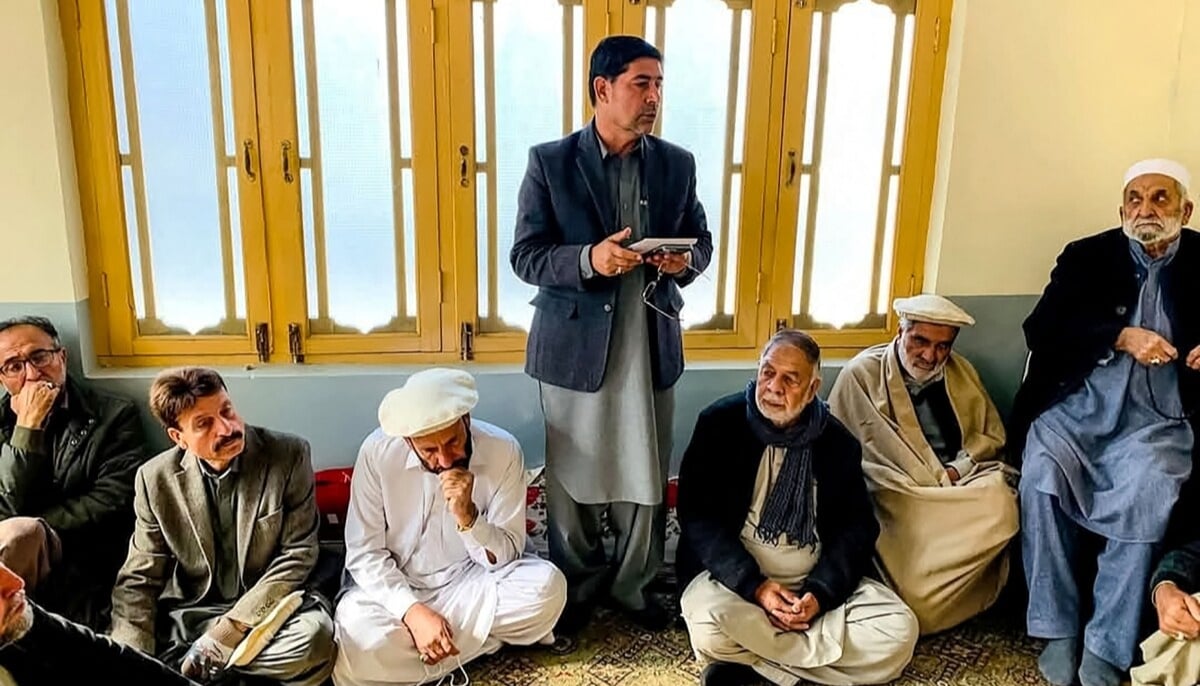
x=1047 y=102
x=40 y=232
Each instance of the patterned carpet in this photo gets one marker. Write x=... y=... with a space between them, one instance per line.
x=991 y=650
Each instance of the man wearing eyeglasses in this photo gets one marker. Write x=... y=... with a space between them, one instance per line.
x=1103 y=418
x=605 y=344
x=68 y=455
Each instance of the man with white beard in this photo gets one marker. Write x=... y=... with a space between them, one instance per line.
x=1103 y=417
x=933 y=449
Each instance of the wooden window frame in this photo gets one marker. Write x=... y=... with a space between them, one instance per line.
x=265 y=110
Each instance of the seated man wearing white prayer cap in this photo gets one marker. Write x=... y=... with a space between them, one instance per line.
x=1104 y=418
x=932 y=455
x=436 y=573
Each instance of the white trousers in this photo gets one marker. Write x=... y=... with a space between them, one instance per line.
x=868 y=640
x=376 y=648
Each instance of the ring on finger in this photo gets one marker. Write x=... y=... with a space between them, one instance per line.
x=1155 y=361
x=1179 y=636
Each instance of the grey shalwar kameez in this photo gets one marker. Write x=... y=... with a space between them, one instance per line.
x=609 y=451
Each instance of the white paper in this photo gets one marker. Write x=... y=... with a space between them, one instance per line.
x=672 y=244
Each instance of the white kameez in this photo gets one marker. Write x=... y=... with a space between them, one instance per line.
x=866 y=640
x=403 y=547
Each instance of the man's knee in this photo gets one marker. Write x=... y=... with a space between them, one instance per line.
x=23 y=532
x=305 y=644
x=29 y=547
x=553 y=589
x=541 y=583
x=709 y=642
x=895 y=637
x=319 y=633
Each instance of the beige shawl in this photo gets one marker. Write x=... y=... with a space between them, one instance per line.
x=942 y=547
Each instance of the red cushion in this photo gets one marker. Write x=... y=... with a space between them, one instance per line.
x=333 y=493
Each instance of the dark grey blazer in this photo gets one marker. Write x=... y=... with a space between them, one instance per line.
x=563 y=206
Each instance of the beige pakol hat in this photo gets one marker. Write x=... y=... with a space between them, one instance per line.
x=933 y=309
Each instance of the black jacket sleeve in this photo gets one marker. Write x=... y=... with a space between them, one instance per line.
x=708 y=518
x=1066 y=321
x=1181 y=566
x=81 y=656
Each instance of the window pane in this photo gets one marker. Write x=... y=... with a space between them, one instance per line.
x=174 y=118
x=848 y=143
x=705 y=47
x=513 y=40
x=351 y=84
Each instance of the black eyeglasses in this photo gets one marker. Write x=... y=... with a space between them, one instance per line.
x=1186 y=416
x=40 y=359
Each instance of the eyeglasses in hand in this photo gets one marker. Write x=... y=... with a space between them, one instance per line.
x=648 y=291
x=1186 y=416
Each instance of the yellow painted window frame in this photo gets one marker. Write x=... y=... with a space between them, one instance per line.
x=446 y=271
x=917 y=168
x=275 y=75
x=98 y=163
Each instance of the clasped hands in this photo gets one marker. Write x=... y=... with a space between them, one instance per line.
x=610 y=258
x=785 y=610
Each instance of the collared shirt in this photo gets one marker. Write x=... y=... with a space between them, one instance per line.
x=935 y=413
x=221 y=489
x=402 y=541
x=623 y=176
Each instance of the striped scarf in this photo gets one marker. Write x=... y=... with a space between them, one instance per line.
x=789 y=508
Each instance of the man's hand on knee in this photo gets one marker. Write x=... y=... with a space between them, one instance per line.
x=431 y=633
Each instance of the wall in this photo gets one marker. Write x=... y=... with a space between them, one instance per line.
x=1046 y=104
x=1040 y=118
x=40 y=225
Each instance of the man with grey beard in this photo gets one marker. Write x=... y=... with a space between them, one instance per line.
x=777 y=538
x=1105 y=418
x=933 y=449
x=42 y=639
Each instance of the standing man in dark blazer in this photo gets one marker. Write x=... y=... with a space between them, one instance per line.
x=606 y=345
x=1103 y=419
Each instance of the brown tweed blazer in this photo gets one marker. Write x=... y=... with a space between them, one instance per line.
x=171 y=553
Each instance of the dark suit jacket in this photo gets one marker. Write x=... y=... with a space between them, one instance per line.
x=564 y=205
x=1092 y=294
x=172 y=552
x=58 y=651
x=77 y=474
x=716 y=483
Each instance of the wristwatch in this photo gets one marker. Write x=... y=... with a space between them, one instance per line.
x=468 y=527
